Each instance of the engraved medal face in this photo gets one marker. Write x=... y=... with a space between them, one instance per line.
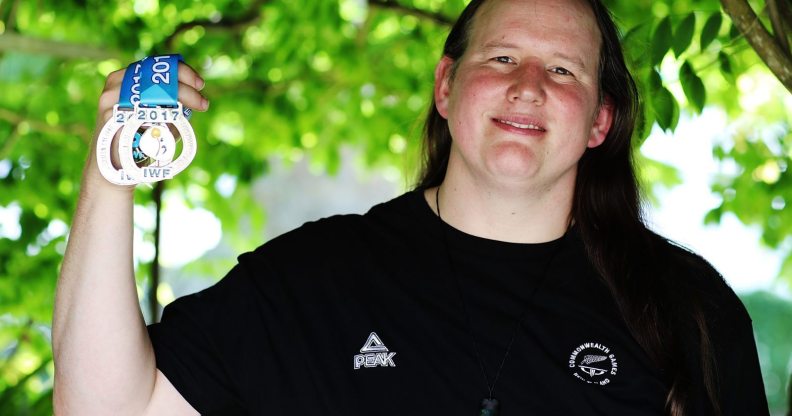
x=155 y=144
x=104 y=146
x=158 y=144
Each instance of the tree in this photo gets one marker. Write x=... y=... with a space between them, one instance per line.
x=300 y=80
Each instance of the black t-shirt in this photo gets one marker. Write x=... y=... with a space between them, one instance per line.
x=388 y=313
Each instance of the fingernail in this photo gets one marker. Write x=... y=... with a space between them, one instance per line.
x=201 y=84
x=204 y=104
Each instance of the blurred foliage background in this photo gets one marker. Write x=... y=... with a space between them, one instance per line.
x=300 y=80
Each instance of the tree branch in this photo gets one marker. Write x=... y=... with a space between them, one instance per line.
x=10 y=41
x=17 y=119
x=785 y=10
x=393 y=4
x=778 y=26
x=760 y=39
x=250 y=16
x=155 y=263
x=11 y=141
x=11 y=21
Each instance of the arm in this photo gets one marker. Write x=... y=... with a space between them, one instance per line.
x=104 y=362
x=741 y=384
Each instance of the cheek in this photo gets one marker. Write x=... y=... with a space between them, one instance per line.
x=571 y=98
x=472 y=93
x=578 y=107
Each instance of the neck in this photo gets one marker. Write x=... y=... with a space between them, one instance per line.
x=504 y=216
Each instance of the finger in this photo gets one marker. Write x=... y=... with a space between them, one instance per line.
x=103 y=114
x=111 y=91
x=115 y=78
x=107 y=100
x=189 y=76
x=191 y=98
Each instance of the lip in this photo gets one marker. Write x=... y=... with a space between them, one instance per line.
x=519 y=124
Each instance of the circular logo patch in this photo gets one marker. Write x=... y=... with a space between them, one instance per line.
x=593 y=363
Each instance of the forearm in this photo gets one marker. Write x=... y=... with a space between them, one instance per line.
x=103 y=357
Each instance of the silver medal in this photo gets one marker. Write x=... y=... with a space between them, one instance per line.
x=104 y=146
x=156 y=144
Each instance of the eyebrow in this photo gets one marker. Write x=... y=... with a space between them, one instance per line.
x=506 y=45
x=499 y=45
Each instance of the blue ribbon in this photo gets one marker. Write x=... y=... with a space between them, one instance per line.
x=152 y=82
x=159 y=81
x=130 y=86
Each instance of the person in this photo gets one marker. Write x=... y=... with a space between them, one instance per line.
x=517 y=277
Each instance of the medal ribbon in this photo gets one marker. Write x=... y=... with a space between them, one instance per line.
x=159 y=81
x=130 y=86
x=152 y=82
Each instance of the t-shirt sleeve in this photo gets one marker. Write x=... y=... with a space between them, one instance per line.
x=198 y=341
x=738 y=377
x=741 y=386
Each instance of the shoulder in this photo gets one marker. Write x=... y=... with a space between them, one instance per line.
x=343 y=234
x=728 y=331
x=693 y=276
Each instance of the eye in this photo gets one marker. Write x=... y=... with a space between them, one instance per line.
x=560 y=71
x=503 y=59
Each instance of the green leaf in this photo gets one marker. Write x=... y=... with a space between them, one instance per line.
x=683 y=35
x=661 y=41
x=711 y=29
x=713 y=216
x=693 y=87
x=644 y=125
x=659 y=173
x=665 y=108
x=734 y=32
x=655 y=81
x=636 y=44
x=634 y=32
x=726 y=66
x=786 y=269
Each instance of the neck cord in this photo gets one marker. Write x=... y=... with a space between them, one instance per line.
x=489 y=405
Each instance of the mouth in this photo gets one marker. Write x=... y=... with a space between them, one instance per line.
x=528 y=126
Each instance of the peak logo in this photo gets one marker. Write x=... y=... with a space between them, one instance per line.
x=593 y=363
x=374 y=354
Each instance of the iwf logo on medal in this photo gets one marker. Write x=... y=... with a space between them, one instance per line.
x=593 y=363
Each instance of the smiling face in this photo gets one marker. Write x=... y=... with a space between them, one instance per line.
x=522 y=103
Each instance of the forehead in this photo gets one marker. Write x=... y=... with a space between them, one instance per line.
x=568 y=24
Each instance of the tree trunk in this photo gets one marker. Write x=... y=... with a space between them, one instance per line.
x=154 y=281
x=766 y=46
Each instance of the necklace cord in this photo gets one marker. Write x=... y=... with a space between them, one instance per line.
x=466 y=313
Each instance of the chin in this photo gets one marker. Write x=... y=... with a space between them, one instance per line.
x=516 y=162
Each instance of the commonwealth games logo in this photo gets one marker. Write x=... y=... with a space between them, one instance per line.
x=593 y=363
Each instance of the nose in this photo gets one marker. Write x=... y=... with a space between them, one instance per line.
x=527 y=85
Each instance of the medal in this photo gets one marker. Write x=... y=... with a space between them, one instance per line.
x=147 y=111
x=156 y=143
x=104 y=146
x=130 y=94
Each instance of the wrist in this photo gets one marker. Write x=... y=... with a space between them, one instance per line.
x=94 y=182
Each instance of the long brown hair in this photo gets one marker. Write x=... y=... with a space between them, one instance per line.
x=639 y=267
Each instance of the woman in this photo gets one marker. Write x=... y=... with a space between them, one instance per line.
x=517 y=278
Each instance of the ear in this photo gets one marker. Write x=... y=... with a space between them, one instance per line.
x=602 y=123
x=442 y=86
